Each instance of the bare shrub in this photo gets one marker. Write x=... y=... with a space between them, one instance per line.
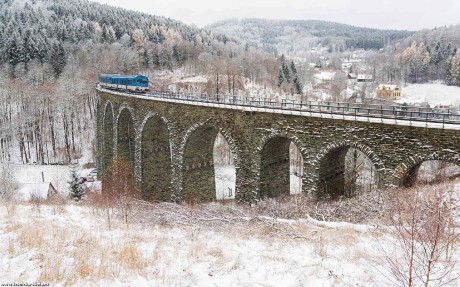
x=36 y=200
x=89 y=165
x=120 y=188
x=290 y=207
x=367 y=207
x=426 y=235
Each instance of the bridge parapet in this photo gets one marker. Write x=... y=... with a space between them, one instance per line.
x=411 y=115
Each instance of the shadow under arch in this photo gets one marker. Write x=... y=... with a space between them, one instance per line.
x=198 y=161
x=126 y=133
x=156 y=159
x=405 y=174
x=330 y=164
x=275 y=152
x=108 y=140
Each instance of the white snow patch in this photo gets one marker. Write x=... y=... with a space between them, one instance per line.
x=58 y=175
x=194 y=79
x=324 y=76
x=433 y=94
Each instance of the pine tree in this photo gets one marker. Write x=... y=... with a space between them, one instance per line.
x=286 y=71
x=76 y=191
x=15 y=51
x=281 y=78
x=58 y=59
x=104 y=34
x=15 y=54
x=298 y=89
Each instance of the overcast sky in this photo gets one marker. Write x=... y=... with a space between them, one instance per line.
x=384 y=14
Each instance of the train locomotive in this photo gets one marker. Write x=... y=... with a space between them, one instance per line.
x=136 y=83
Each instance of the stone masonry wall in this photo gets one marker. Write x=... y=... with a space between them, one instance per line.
x=394 y=150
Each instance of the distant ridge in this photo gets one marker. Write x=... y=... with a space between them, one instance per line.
x=294 y=36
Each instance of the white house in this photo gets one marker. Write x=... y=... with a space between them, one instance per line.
x=364 y=78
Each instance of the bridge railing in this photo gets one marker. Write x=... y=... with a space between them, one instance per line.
x=394 y=112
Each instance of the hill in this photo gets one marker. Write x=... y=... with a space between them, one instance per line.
x=294 y=36
x=33 y=30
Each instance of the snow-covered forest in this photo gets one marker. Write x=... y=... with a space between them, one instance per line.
x=51 y=53
x=295 y=37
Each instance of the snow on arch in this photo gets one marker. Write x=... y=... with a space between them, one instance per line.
x=296 y=149
x=228 y=137
x=147 y=117
x=221 y=176
x=107 y=103
x=317 y=162
x=150 y=115
x=378 y=163
x=283 y=134
x=123 y=107
x=403 y=169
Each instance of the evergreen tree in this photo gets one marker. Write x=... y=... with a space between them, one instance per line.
x=281 y=78
x=15 y=51
x=76 y=191
x=15 y=54
x=40 y=48
x=145 y=59
x=298 y=89
x=155 y=57
x=286 y=71
x=58 y=59
x=104 y=34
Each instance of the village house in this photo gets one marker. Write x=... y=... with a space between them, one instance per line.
x=389 y=92
x=364 y=78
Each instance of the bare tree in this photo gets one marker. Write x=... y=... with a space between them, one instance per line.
x=7 y=185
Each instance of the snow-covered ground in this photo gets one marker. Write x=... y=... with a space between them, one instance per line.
x=58 y=175
x=324 y=76
x=74 y=245
x=434 y=94
x=225 y=181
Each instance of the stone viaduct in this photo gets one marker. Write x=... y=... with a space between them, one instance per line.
x=171 y=147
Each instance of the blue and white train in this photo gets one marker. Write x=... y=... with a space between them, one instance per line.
x=137 y=83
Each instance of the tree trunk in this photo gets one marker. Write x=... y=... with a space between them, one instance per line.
x=66 y=136
x=53 y=136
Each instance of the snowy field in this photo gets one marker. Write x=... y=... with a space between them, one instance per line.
x=72 y=245
x=175 y=245
x=434 y=94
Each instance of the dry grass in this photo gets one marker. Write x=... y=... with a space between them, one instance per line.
x=320 y=247
x=31 y=237
x=79 y=254
x=130 y=258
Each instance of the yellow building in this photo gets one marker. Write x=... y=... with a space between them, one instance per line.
x=389 y=92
